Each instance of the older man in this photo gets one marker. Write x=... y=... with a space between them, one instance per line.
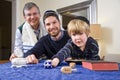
x=29 y=32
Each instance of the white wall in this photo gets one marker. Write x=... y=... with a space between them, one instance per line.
x=108 y=16
x=56 y=4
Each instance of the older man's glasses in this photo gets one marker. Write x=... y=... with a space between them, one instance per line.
x=32 y=14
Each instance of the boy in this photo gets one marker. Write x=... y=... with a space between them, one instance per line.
x=80 y=46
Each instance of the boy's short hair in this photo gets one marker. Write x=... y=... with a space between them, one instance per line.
x=50 y=13
x=77 y=26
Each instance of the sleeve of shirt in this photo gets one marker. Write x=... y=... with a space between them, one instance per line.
x=37 y=50
x=93 y=50
x=64 y=52
x=18 y=44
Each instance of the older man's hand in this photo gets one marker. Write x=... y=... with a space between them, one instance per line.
x=12 y=56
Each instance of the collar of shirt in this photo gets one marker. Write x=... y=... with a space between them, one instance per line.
x=37 y=32
x=62 y=33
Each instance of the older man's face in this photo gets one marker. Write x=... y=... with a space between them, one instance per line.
x=32 y=16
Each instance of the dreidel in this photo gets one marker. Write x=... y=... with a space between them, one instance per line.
x=72 y=64
x=67 y=69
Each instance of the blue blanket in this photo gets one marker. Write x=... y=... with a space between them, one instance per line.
x=38 y=72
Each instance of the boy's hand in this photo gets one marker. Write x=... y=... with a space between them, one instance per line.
x=55 y=62
x=32 y=59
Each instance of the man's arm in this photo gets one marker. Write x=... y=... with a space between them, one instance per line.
x=38 y=49
x=32 y=55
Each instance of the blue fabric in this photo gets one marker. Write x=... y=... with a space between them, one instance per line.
x=38 y=72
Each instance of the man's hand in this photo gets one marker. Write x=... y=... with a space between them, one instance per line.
x=12 y=56
x=55 y=62
x=32 y=59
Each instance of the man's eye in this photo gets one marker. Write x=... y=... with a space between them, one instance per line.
x=28 y=14
x=54 y=22
x=34 y=14
x=47 y=24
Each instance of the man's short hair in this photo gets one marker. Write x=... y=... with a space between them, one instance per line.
x=28 y=6
x=50 y=13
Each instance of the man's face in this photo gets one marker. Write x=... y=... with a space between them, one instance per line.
x=52 y=26
x=32 y=16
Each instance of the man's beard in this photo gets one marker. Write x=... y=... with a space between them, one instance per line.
x=54 y=34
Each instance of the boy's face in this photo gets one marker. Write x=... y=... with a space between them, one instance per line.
x=79 y=39
x=52 y=26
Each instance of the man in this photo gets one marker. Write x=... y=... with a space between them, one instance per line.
x=52 y=42
x=29 y=32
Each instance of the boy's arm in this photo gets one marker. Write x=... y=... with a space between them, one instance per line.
x=94 y=49
x=64 y=53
